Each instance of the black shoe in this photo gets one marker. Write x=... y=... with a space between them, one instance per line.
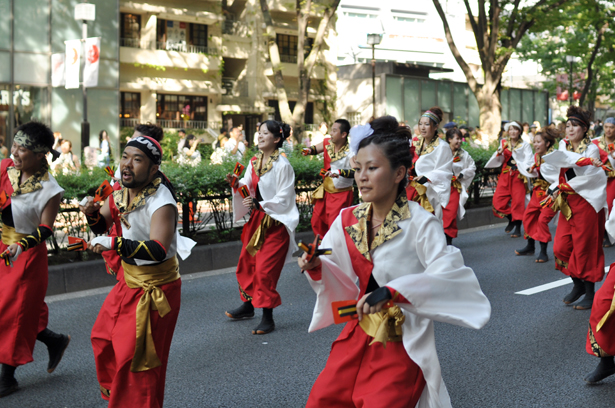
x=588 y=300
x=8 y=383
x=517 y=229
x=577 y=291
x=605 y=368
x=56 y=345
x=542 y=256
x=244 y=311
x=510 y=225
x=529 y=249
x=449 y=240
x=266 y=325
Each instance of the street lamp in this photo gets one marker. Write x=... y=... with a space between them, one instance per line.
x=373 y=40
x=571 y=60
x=85 y=12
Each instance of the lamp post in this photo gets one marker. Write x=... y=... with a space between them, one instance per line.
x=373 y=40
x=571 y=60
x=85 y=12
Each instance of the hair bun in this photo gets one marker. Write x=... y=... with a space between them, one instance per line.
x=384 y=124
x=285 y=128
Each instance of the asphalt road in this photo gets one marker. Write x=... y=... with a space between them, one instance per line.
x=531 y=353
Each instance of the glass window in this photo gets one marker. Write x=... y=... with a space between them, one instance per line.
x=130 y=30
x=540 y=108
x=5 y=67
x=474 y=111
x=412 y=106
x=130 y=105
x=460 y=102
x=5 y=24
x=287 y=45
x=198 y=35
x=31 y=25
x=32 y=68
x=444 y=96
x=515 y=104
x=161 y=30
x=428 y=94
x=181 y=107
x=4 y=110
x=527 y=114
x=504 y=95
x=393 y=97
x=30 y=103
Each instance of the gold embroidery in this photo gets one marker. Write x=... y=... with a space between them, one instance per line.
x=596 y=349
x=582 y=146
x=120 y=197
x=268 y=166
x=499 y=214
x=244 y=294
x=419 y=142
x=561 y=263
x=33 y=183
x=388 y=230
x=336 y=156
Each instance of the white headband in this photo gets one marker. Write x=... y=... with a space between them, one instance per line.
x=509 y=124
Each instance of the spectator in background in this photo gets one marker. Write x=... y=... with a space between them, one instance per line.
x=526 y=132
x=4 y=152
x=222 y=135
x=103 y=153
x=449 y=125
x=416 y=130
x=243 y=132
x=182 y=141
x=190 y=155
x=598 y=129
x=68 y=162
x=57 y=140
x=255 y=139
x=464 y=131
x=533 y=130
x=235 y=146
x=320 y=134
x=219 y=154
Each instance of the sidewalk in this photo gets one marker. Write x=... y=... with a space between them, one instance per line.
x=86 y=275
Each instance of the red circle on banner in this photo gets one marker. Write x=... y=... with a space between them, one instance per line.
x=93 y=54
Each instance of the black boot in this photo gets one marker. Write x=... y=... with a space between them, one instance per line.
x=8 y=383
x=528 y=249
x=517 y=230
x=449 y=240
x=605 y=368
x=588 y=300
x=266 y=325
x=606 y=242
x=510 y=225
x=56 y=344
x=244 y=311
x=577 y=291
x=542 y=256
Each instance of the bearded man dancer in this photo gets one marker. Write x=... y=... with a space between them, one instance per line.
x=132 y=334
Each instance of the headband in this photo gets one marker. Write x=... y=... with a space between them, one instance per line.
x=149 y=146
x=579 y=118
x=26 y=141
x=429 y=114
x=513 y=123
x=609 y=120
x=357 y=134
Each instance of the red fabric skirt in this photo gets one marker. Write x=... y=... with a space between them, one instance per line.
x=326 y=210
x=578 y=242
x=610 y=192
x=602 y=304
x=360 y=375
x=509 y=196
x=113 y=341
x=536 y=218
x=258 y=275
x=449 y=214
x=23 y=312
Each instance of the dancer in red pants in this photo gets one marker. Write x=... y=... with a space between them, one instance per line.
x=606 y=143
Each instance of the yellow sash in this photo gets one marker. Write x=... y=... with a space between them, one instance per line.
x=457 y=184
x=258 y=238
x=10 y=236
x=561 y=204
x=149 y=278
x=541 y=184
x=606 y=316
x=421 y=197
x=384 y=326
x=328 y=186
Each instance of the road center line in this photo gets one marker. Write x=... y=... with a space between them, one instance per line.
x=552 y=285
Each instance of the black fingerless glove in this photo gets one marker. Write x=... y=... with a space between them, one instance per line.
x=378 y=296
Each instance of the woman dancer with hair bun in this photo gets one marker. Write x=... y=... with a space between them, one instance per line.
x=537 y=217
x=580 y=195
x=389 y=254
x=464 y=170
x=268 y=237
x=509 y=196
x=432 y=169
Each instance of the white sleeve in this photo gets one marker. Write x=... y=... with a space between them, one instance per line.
x=469 y=171
x=285 y=196
x=495 y=161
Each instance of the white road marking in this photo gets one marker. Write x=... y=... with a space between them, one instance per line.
x=552 y=285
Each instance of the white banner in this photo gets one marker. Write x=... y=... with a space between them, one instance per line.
x=72 y=63
x=92 y=61
x=57 y=70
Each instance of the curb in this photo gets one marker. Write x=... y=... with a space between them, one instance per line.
x=78 y=276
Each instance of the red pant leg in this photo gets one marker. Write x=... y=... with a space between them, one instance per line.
x=502 y=196
x=335 y=204
x=449 y=214
x=562 y=245
x=536 y=218
x=22 y=304
x=319 y=217
x=145 y=388
x=603 y=299
x=610 y=192
x=587 y=228
x=517 y=199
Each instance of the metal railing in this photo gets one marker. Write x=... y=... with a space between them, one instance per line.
x=183 y=47
x=188 y=124
x=132 y=43
x=129 y=122
x=235 y=27
x=292 y=59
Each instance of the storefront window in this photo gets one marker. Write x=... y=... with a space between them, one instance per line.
x=4 y=111
x=130 y=105
x=31 y=103
x=181 y=107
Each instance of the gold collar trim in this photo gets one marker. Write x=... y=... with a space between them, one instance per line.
x=359 y=232
x=268 y=166
x=419 y=147
x=33 y=183
x=120 y=197
x=516 y=146
x=336 y=156
x=582 y=146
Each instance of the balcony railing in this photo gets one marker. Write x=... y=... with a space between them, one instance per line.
x=235 y=27
x=288 y=58
x=134 y=43
x=129 y=122
x=183 y=47
x=188 y=124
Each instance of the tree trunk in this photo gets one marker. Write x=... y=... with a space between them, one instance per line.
x=490 y=108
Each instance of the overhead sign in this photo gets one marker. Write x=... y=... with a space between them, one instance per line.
x=72 y=63
x=85 y=11
x=92 y=61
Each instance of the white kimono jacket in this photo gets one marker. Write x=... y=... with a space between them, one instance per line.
x=436 y=163
x=548 y=172
x=590 y=181
x=277 y=188
x=467 y=167
x=522 y=154
x=421 y=267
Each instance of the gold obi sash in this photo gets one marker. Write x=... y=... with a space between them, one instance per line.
x=561 y=204
x=606 y=316
x=457 y=184
x=541 y=184
x=258 y=238
x=10 y=236
x=384 y=326
x=421 y=196
x=328 y=186
x=149 y=278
